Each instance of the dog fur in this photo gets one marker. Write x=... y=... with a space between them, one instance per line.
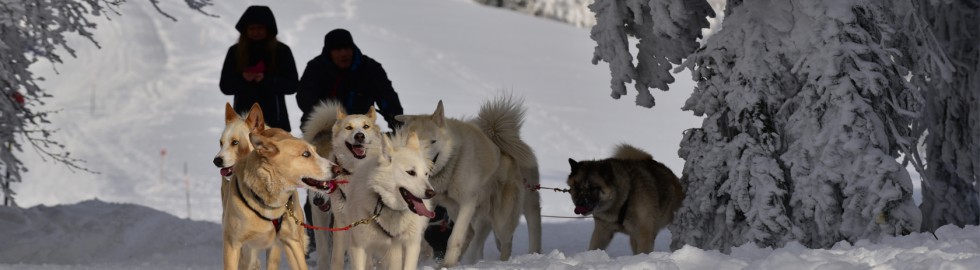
x=474 y=175
x=262 y=188
x=393 y=185
x=629 y=193
x=349 y=140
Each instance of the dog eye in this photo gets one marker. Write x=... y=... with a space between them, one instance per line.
x=350 y=128
x=235 y=142
x=432 y=142
x=367 y=127
x=411 y=172
x=306 y=154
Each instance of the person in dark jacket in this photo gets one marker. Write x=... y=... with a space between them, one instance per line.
x=259 y=68
x=342 y=73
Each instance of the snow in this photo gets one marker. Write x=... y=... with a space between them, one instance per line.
x=153 y=86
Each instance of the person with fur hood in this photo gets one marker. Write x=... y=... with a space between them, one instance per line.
x=342 y=73
x=259 y=68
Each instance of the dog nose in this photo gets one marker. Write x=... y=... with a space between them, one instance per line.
x=429 y=193
x=218 y=161
x=359 y=137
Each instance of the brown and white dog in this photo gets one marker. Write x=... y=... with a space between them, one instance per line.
x=261 y=206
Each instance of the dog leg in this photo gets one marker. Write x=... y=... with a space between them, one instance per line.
x=233 y=252
x=601 y=235
x=477 y=240
x=295 y=253
x=394 y=257
x=323 y=240
x=272 y=256
x=249 y=259
x=358 y=257
x=458 y=237
x=412 y=250
x=642 y=240
x=532 y=213
x=340 y=242
x=505 y=217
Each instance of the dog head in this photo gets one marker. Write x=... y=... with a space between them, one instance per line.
x=353 y=133
x=283 y=161
x=234 y=140
x=591 y=186
x=432 y=133
x=402 y=175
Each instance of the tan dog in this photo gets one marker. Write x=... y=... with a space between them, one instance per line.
x=629 y=193
x=261 y=193
x=235 y=145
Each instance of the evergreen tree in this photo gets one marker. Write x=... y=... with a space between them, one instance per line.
x=806 y=110
x=667 y=31
x=951 y=121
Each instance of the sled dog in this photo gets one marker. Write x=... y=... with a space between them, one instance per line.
x=629 y=192
x=260 y=193
x=392 y=185
x=348 y=140
x=475 y=175
x=235 y=145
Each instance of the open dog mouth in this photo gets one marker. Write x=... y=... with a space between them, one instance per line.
x=357 y=149
x=583 y=210
x=415 y=204
x=317 y=184
x=226 y=172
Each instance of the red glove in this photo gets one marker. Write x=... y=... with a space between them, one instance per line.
x=257 y=68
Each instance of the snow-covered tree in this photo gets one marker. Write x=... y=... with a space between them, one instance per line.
x=951 y=122
x=31 y=31
x=737 y=189
x=667 y=31
x=574 y=12
x=807 y=109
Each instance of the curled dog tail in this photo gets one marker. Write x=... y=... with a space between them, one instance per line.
x=501 y=120
x=626 y=151
x=321 y=120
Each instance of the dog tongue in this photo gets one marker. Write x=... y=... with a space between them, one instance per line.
x=421 y=210
x=226 y=171
x=582 y=210
x=358 y=150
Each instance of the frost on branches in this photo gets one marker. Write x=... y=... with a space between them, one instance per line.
x=667 y=31
x=806 y=110
x=951 y=122
x=31 y=31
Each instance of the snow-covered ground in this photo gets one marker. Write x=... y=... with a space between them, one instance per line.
x=153 y=86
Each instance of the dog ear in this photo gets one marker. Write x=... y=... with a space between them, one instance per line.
x=263 y=145
x=371 y=114
x=413 y=142
x=340 y=113
x=255 y=119
x=438 y=116
x=230 y=114
x=386 y=149
x=573 y=164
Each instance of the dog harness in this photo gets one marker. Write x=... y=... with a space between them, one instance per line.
x=377 y=211
x=277 y=223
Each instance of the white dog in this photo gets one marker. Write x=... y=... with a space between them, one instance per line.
x=347 y=140
x=394 y=187
x=480 y=169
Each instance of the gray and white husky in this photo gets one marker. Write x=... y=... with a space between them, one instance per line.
x=479 y=171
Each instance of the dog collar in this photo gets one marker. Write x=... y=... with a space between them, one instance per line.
x=277 y=223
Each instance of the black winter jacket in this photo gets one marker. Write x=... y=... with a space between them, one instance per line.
x=269 y=92
x=357 y=88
